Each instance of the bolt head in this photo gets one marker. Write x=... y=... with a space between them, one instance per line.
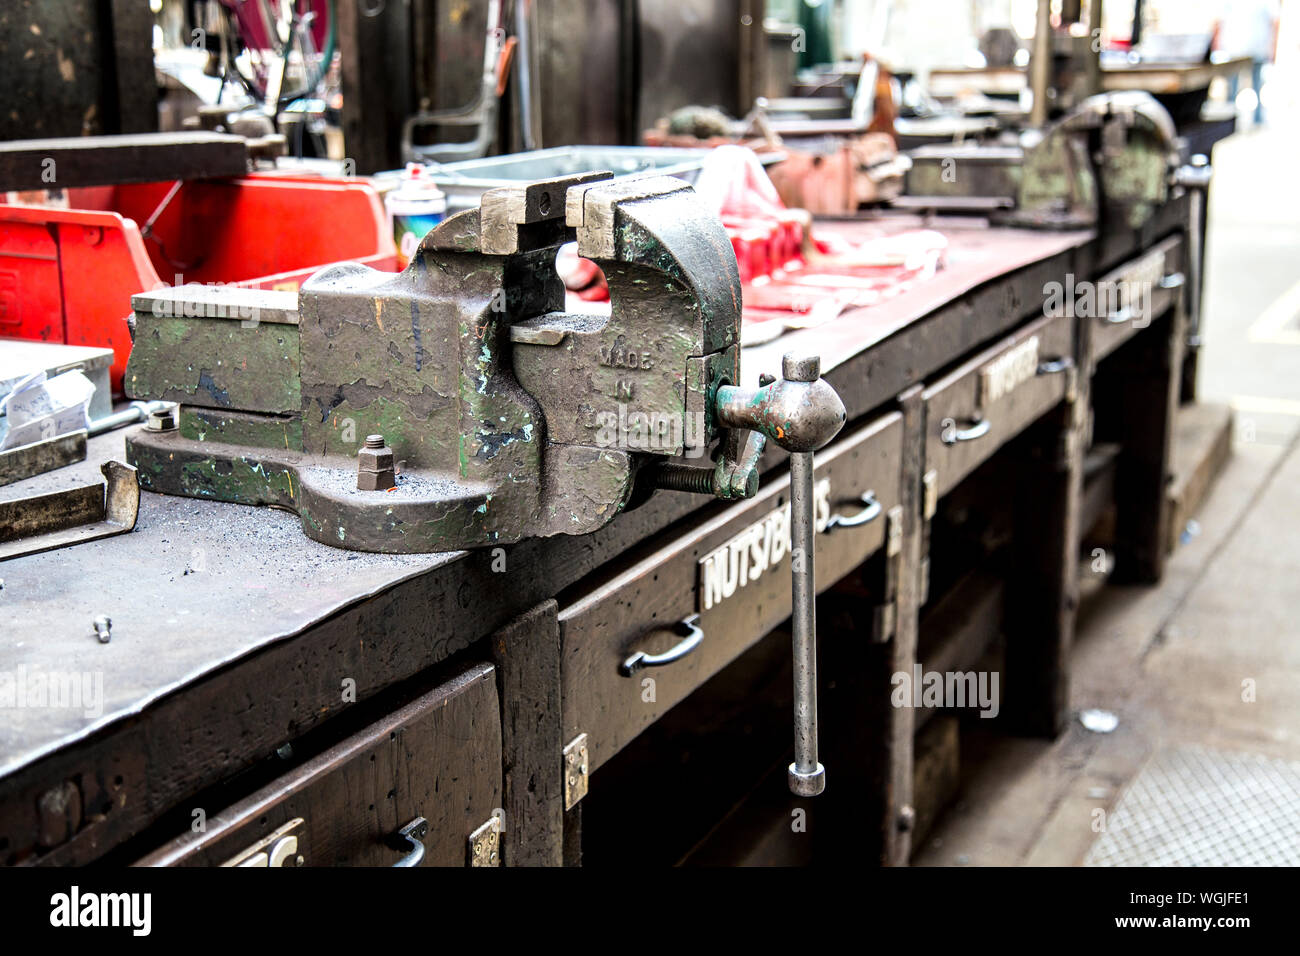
x=162 y=420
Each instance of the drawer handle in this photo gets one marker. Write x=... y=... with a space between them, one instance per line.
x=951 y=434
x=866 y=515
x=408 y=838
x=1119 y=318
x=1056 y=365
x=1174 y=280
x=694 y=637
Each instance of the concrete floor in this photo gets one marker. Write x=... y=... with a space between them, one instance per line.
x=1174 y=662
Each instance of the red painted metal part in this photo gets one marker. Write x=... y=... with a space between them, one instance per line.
x=67 y=275
x=257 y=20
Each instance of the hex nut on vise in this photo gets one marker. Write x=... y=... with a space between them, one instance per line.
x=163 y=419
x=375 y=470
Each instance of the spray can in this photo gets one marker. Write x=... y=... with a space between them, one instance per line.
x=414 y=207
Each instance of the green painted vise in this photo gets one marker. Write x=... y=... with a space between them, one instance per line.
x=457 y=404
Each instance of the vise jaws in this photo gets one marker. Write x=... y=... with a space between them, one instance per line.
x=457 y=404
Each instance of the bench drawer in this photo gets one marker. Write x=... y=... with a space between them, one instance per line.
x=728 y=572
x=1127 y=299
x=988 y=400
x=438 y=757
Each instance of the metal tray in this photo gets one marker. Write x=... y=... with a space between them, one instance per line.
x=465 y=181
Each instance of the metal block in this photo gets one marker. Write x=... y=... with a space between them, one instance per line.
x=41 y=456
x=220 y=348
x=44 y=522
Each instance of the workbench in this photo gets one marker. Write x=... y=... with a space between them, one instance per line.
x=1155 y=78
x=266 y=694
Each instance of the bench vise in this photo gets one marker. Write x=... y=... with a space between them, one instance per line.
x=457 y=404
x=1112 y=160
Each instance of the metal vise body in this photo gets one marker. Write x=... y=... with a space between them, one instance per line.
x=1109 y=161
x=506 y=416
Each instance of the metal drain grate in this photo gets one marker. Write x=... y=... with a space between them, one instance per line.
x=1195 y=807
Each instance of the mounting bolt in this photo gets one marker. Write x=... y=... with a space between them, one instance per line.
x=375 y=465
x=162 y=419
x=103 y=629
x=906 y=818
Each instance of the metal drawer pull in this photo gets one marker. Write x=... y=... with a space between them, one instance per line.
x=1174 y=280
x=866 y=515
x=694 y=637
x=1053 y=366
x=951 y=434
x=409 y=838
